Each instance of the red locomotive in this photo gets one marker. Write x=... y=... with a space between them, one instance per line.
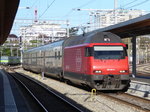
x=98 y=60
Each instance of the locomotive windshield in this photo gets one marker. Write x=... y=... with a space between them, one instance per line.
x=109 y=52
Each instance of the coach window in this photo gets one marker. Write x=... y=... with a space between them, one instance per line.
x=88 y=51
x=55 y=55
x=59 y=55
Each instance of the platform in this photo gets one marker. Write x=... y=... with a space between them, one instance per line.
x=140 y=87
x=11 y=98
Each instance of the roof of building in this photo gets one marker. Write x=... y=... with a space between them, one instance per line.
x=12 y=36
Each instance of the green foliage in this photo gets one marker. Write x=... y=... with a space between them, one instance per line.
x=33 y=41
x=6 y=51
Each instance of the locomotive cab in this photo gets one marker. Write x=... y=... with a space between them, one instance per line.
x=109 y=66
x=98 y=59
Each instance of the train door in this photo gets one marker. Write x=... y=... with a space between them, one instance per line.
x=44 y=60
x=87 y=63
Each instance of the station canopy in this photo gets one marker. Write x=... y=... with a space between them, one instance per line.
x=8 y=9
x=134 y=27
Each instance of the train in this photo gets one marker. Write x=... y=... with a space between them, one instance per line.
x=98 y=60
x=9 y=60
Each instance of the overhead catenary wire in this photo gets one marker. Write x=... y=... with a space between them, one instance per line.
x=34 y=3
x=47 y=8
x=138 y=4
x=87 y=3
x=132 y=3
x=71 y=11
x=128 y=4
x=30 y=7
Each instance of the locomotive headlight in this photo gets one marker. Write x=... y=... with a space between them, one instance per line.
x=97 y=71
x=122 y=71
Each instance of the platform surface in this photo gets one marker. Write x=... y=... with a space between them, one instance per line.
x=11 y=99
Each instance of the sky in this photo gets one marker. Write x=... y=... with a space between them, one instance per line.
x=63 y=9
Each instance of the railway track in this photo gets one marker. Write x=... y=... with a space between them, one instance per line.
x=130 y=100
x=143 y=70
x=49 y=100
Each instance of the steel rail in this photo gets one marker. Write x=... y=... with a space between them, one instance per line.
x=31 y=93
x=50 y=91
x=113 y=96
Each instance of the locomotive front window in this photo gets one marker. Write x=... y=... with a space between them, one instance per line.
x=109 y=52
